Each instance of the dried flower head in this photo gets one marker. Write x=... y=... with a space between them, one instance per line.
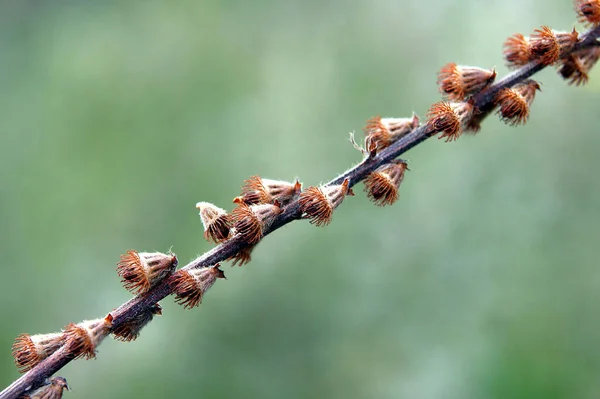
x=250 y=221
x=547 y=45
x=216 y=222
x=243 y=256
x=458 y=81
x=83 y=338
x=449 y=118
x=140 y=271
x=29 y=350
x=190 y=286
x=575 y=67
x=257 y=190
x=382 y=185
x=130 y=329
x=317 y=203
x=53 y=389
x=517 y=50
x=382 y=132
x=473 y=126
x=514 y=103
x=588 y=11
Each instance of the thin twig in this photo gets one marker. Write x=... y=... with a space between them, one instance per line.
x=131 y=309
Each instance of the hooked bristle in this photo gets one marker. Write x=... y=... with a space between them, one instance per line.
x=317 y=203
x=576 y=67
x=83 y=338
x=517 y=50
x=383 y=184
x=382 y=132
x=250 y=221
x=52 y=389
x=29 y=350
x=514 y=103
x=130 y=329
x=457 y=82
x=588 y=11
x=190 y=286
x=140 y=271
x=448 y=118
x=243 y=256
x=254 y=192
x=216 y=222
x=548 y=45
x=257 y=190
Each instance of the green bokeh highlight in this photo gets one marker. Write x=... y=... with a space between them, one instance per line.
x=117 y=117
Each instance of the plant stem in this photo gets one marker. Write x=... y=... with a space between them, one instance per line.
x=484 y=102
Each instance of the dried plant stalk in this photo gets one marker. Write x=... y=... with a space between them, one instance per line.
x=317 y=204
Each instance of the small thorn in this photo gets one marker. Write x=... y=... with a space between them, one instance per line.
x=346 y=186
x=372 y=147
x=404 y=162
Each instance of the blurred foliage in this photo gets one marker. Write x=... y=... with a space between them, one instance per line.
x=117 y=117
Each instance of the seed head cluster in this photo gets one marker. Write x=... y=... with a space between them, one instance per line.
x=545 y=45
x=189 y=286
x=263 y=202
x=381 y=132
x=588 y=12
x=53 y=389
x=514 y=103
x=141 y=271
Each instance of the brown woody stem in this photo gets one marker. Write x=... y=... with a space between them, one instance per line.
x=132 y=308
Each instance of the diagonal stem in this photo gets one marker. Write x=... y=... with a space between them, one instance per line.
x=483 y=101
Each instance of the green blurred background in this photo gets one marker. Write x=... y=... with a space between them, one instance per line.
x=117 y=117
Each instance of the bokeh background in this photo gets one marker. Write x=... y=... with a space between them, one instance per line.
x=117 y=117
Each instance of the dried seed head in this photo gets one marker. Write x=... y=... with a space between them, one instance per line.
x=29 y=350
x=382 y=185
x=457 y=81
x=250 y=221
x=514 y=103
x=473 y=126
x=189 y=286
x=253 y=192
x=588 y=11
x=575 y=67
x=216 y=222
x=83 y=338
x=382 y=132
x=130 y=330
x=140 y=271
x=317 y=203
x=282 y=192
x=566 y=40
x=243 y=256
x=52 y=390
x=517 y=50
x=449 y=118
x=547 y=45
x=257 y=190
